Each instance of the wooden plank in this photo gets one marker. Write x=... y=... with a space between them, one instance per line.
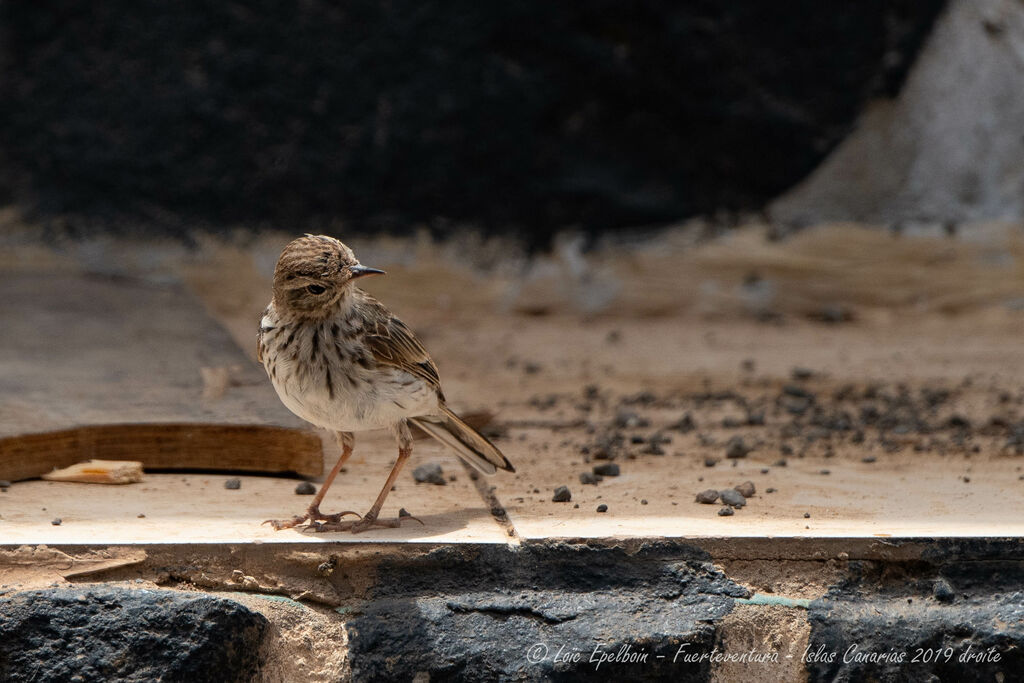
x=121 y=368
x=239 y=448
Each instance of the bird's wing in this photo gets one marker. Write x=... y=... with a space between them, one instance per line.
x=392 y=343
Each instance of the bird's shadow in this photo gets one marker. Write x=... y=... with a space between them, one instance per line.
x=476 y=524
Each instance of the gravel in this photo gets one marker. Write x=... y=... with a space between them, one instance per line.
x=602 y=508
x=562 y=495
x=737 y=448
x=746 y=489
x=607 y=469
x=232 y=484
x=708 y=496
x=429 y=473
x=305 y=489
x=733 y=498
x=726 y=512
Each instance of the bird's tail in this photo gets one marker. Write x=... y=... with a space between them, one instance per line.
x=468 y=443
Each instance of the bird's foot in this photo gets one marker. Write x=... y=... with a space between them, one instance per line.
x=360 y=525
x=313 y=516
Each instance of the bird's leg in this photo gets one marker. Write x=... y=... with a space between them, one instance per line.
x=313 y=513
x=370 y=518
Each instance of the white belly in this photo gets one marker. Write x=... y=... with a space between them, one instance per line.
x=358 y=399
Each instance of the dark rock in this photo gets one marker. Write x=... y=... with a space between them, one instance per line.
x=725 y=512
x=868 y=459
x=746 y=489
x=685 y=424
x=979 y=636
x=732 y=497
x=602 y=508
x=429 y=473
x=4 y=484
x=770 y=489
x=607 y=469
x=737 y=448
x=104 y=634
x=232 y=484
x=943 y=591
x=589 y=478
x=56 y=522
x=656 y=596
x=305 y=488
x=710 y=462
x=562 y=495
x=781 y=462
x=707 y=496
x=807 y=515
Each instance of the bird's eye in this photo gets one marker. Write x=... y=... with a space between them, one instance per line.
x=315 y=289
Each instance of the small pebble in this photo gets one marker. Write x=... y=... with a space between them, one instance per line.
x=562 y=495
x=643 y=501
x=4 y=484
x=707 y=497
x=781 y=462
x=868 y=459
x=602 y=508
x=737 y=448
x=141 y=516
x=710 y=462
x=429 y=473
x=589 y=478
x=825 y=472
x=725 y=512
x=807 y=515
x=56 y=522
x=607 y=469
x=305 y=489
x=771 y=489
x=732 y=497
x=232 y=484
x=746 y=489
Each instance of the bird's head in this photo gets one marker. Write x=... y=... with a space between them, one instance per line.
x=313 y=273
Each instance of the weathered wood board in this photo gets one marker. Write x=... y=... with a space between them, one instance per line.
x=98 y=367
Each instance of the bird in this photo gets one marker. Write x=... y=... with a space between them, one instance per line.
x=340 y=360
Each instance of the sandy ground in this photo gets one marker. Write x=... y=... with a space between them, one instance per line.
x=884 y=401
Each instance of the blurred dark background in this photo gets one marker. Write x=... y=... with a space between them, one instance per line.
x=524 y=117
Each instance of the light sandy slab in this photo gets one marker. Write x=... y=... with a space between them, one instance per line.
x=883 y=499
x=196 y=508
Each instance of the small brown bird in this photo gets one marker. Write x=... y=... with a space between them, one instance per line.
x=340 y=360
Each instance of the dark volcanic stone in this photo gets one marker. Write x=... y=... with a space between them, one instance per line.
x=733 y=498
x=746 y=489
x=305 y=488
x=429 y=473
x=607 y=469
x=983 y=628
x=105 y=634
x=589 y=478
x=232 y=484
x=942 y=591
x=391 y=114
x=737 y=448
x=707 y=497
x=726 y=512
x=602 y=508
x=562 y=495
x=473 y=616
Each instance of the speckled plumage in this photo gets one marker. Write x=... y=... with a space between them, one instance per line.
x=340 y=360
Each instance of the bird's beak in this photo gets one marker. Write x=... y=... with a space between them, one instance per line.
x=362 y=271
